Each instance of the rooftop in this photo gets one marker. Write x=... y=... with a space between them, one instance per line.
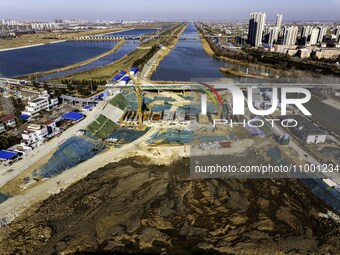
x=306 y=125
x=7 y=118
x=74 y=116
x=39 y=99
x=7 y=155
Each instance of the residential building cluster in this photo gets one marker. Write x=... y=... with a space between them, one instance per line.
x=314 y=39
x=28 y=25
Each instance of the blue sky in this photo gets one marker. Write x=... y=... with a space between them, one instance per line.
x=167 y=10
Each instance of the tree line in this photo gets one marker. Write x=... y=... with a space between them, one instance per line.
x=278 y=60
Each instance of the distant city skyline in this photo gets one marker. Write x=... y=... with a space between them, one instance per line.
x=39 y=10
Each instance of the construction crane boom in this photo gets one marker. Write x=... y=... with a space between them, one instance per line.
x=139 y=94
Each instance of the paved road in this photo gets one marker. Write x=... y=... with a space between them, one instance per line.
x=307 y=157
x=40 y=152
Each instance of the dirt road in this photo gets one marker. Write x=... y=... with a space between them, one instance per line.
x=15 y=205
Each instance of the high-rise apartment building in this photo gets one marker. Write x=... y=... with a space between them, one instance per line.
x=279 y=18
x=273 y=35
x=305 y=34
x=290 y=35
x=322 y=33
x=256 y=26
x=314 y=36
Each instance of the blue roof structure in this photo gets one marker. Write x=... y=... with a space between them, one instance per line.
x=134 y=69
x=117 y=77
x=122 y=72
x=126 y=79
x=7 y=155
x=74 y=116
x=24 y=116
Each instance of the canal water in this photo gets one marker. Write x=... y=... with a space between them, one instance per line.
x=128 y=47
x=25 y=61
x=188 y=60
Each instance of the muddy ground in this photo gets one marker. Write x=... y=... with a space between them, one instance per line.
x=133 y=207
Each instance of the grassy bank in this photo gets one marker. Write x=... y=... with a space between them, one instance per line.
x=239 y=73
x=210 y=52
x=44 y=38
x=119 y=101
x=48 y=37
x=101 y=127
x=74 y=66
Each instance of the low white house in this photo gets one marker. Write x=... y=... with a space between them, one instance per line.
x=36 y=106
x=8 y=121
x=306 y=130
x=2 y=127
x=34 y=134
x=43 y=102
x=21 y=148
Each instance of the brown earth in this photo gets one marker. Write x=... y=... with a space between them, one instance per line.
x=134 y=207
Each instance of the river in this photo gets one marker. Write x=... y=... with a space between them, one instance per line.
x=128 y=47
x=25 y=61
x=188 y=60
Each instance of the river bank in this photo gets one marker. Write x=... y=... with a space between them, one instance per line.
x=74 y=66
x=211 y=53
x=39 y=39
x=240 y=74
x=22 y=47
x=153 y=63
x=125 y=62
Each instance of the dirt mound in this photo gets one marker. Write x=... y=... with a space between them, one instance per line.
x=129 y=207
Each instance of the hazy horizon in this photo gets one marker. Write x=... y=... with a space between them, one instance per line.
x=39 y=10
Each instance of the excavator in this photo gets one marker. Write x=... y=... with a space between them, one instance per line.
x=139 y=93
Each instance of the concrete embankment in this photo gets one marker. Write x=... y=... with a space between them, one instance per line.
x=22 y=47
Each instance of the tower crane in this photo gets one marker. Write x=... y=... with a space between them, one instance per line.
x=139 y=93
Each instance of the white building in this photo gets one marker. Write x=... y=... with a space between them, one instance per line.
x=322 y=33
x=34 y=134
x=279 y=18
x=8 y=121
x=2 y=127
x=337 y=34
x=43 y=102
x=290 y=35
x=36 y=106
x=256 y=26
x=305 y=34
x=306 y=130
x=314 y=36
x=273 y=35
